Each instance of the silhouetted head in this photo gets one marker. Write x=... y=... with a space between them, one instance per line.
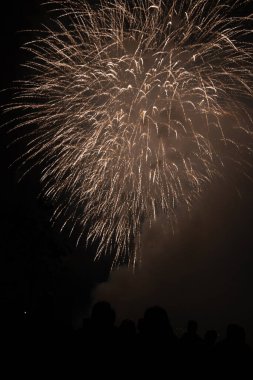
x=103 y=314
x=156 y=321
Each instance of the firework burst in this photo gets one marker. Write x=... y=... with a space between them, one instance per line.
x=134 y=107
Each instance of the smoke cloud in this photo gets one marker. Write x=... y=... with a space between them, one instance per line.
x=202 y=271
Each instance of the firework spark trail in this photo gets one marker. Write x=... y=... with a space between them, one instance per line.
x=134 y=108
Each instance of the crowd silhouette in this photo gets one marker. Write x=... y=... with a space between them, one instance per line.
x=151 y=344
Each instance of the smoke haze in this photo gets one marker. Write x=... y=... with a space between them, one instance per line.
x=203 y=271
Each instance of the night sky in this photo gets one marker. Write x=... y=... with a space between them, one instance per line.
x=204 y=272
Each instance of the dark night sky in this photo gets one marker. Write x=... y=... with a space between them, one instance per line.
x=204 y=272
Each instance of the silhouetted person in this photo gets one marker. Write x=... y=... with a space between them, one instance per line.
x=103 y=316
x=190 y=337
x=234 y=346
x=102 y=323
x=156 y=324
x=157 y=340
x=234 y=356
x=191 y=344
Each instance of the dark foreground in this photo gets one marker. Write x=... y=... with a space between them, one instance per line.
x=36 y=346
